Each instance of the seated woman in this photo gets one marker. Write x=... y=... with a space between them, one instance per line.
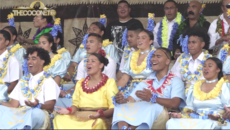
x=92 y=102
x=206 y=101
x=34 y=95
x=151 y=97
x=110 y=49
x=56 y=67
x=224 y=56
x=135 y=68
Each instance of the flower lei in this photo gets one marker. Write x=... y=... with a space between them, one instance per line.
x=52 y=63
x=183 y=24
x=224 y=52
x=187 y=74
x=200 y=95
x=162 y=34
x=160 y=89
x=15 y=48
x=133 y=63
x=62 y=50
x=220 y=27
x=85 y=88
x=26 y=91
x=3 y=69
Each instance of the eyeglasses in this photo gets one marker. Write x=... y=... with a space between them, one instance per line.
x=227 y=6
x=171 y=8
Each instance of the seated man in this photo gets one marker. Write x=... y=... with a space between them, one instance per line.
x=35 y=92
x=10 y=68
x=151 y=97
x=188 y=66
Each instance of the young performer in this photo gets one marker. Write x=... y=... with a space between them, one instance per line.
x=92 y=102
x=10 y=68
x=151 y=97
x=33 y=97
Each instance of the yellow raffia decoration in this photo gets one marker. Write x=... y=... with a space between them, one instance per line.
x=106 y=42
x=133 y=64
x=81 y=46
x=228 y=12
x=37 y=91
x=203 y=6
x=53 y=60
x=62 y=50
x=151 y=15
x=57 y=21
x=10 y=16
x=164 y=35
x=200 y=95
x=102 y=16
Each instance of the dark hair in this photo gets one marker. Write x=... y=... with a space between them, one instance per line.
x=60 y=36
x=6 y=35
x=49 y=19
x=12 y=30
x=174 y=2
x=123 y=1
x=219 y=66
x=202 y=34
x=166 y=51
x=102 y=59
x=99 y=38
x=136 y=27
x=100 y=26
x=50 y=39
x=150 y=34
x=41 y=53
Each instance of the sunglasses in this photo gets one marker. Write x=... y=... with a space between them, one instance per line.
x=228 y=6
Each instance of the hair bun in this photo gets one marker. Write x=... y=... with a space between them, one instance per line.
x=102 y=52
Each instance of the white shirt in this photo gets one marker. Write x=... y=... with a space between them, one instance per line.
x=109 y=70
x=49 y=90
x=170 y=27
x=123 y=60
x=14 y=68
x=214 y=36
x=193 y=64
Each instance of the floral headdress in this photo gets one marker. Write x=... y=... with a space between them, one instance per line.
x=56 y=27
x=102 y=19
x=10 y=18
x=151 y=22
x=184 y=43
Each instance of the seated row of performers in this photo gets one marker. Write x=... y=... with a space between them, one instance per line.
x=146 y=82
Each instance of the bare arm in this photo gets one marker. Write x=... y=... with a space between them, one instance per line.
x=124 y=80
x=12 y=85
x=13 y=103
x=228 y=77
x=169 y=103
x=49 y=105
x=119 y=75
x=108 y=113
x=57 y=79
x=71 y=68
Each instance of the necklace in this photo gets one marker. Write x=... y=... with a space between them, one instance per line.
x=50 y=53
x=212 y=81
x=224 y=52
x=145 y=51
x=85 y=88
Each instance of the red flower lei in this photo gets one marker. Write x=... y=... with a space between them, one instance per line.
x=85 y=88
x=160 y=89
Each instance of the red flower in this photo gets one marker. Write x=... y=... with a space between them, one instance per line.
x=102 y=52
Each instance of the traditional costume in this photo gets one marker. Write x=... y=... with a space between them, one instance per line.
x=201 y=104
x=155 y=115
x=88 y=101
x=40 y=86
x=39 y=32
x=225 y=58
x=10 y=71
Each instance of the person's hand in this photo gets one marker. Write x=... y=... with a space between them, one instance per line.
x=144 y=95
x=120 y=98
x=32 y=104
x=20 y=39
x=174 y=115
x=95 y=116
x=62 y=93
x=67 y=77
x=226 y=115
x=62 y=110
x=213 y=117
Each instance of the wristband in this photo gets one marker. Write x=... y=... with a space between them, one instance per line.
x=38 y=106
x=70 y=110
x=154 y=98
x=68 y=96
x=119 y=88
x=68 y=74
x=100 y=111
